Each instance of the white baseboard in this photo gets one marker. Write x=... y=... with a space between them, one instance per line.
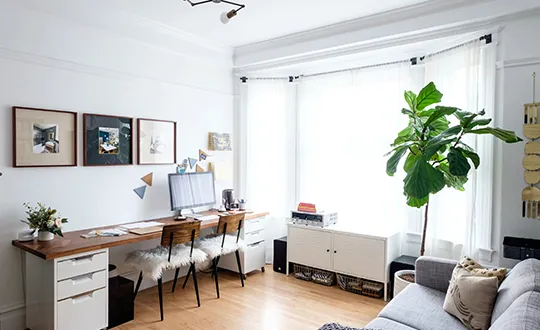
x=13 y=317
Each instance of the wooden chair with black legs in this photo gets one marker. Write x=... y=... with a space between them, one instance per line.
x=173 y=253
x=224 y=243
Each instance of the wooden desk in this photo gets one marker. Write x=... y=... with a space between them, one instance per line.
x=67 y=278
x=73 y=243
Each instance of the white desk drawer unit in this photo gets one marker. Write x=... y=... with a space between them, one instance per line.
x=254 y=255
x=84 y=312
x=82 y=265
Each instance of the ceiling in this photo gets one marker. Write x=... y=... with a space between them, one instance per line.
x=260 y=20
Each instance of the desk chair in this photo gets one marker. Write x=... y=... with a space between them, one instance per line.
x=223 y=244
x=173 y=253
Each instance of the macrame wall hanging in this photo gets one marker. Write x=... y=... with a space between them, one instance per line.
x=531 y=162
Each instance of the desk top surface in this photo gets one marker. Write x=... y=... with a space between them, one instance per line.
x=72 y=242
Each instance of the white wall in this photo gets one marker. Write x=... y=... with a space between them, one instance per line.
x=52 y=62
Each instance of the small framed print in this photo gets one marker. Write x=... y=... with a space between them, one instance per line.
x=157 y=142
x=44 y=137
x=108 y=140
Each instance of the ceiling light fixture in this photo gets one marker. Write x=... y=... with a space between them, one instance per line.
x=226 y=16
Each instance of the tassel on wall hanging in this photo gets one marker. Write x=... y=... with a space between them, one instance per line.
x=531 y=162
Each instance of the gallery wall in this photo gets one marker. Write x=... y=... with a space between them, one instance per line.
x=49 y=61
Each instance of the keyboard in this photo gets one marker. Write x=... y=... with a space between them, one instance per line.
x=208 y=217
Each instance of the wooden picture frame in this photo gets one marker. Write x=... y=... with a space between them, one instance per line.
x=156 y=144
x=107 y=140
x=44 y=137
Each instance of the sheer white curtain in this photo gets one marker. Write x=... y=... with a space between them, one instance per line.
x=347 y=122
x=460 y=222
x=267 y=128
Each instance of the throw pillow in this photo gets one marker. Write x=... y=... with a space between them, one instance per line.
x=472 y=293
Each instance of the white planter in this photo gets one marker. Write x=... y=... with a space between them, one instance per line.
x=45 y=236
x=399 y=283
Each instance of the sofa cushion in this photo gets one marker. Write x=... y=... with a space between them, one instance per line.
x=386 y=324
x=472 y=293
x=420 y=308
x=525 y=277
x=523 y=314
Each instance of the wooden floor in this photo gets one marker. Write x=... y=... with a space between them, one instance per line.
x=269 y=301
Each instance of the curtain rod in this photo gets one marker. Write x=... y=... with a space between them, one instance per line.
x=414 y=61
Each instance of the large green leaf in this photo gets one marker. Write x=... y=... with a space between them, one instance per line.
x=471 y=155
x=479 y=122
x=459 y=165
x=409 y=161
x=406 y=135
x=466 y=118
x=415 y=202
x=452 y=181
x=422 y=179
x=438 y=126
x=433 y=145
x=428 y=95
x=501 y=134
x=454 y=130
x=392 y=163
x=410 y=97
x=440 y=112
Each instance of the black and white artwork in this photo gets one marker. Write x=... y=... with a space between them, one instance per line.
x=157 y=141
x=108 y=140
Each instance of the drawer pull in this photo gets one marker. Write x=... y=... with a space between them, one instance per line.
x=82 y=279
x=81 y=298
x=255 y=232
x=255 y=244
x=82 y=261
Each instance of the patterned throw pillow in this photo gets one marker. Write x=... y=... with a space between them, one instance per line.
x=472 y=293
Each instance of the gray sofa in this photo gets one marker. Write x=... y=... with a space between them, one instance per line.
x=420 y=305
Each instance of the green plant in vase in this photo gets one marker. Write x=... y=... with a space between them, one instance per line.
x=44 y=219
x=435 y=154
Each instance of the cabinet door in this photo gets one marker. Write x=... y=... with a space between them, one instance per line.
x=359 y=256
x=310 y=247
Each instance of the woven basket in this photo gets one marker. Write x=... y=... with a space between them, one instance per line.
x=349 y=283
x=323 y=277
x=303 y=272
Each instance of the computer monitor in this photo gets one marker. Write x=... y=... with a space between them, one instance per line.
x=191 y=190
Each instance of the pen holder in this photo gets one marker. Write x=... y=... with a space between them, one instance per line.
x=242 y=206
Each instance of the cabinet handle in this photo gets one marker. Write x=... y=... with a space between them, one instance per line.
x=335 y=251
x=82 y=261
x=328 y=250
x=82 y=279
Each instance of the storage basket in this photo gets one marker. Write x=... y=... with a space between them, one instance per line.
x=372 y=289
x=303 y=272
x=323 y=277
x=349 y=283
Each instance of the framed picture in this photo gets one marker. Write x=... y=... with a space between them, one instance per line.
x=219 y=141
x=108 y=140
x=44 y=138
x=157 y=142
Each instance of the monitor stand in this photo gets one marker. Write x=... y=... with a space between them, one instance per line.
x=185 y=215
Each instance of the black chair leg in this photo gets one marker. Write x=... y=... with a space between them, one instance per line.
x=187 y=278
x=216 y=277
x=239 y=267
x=196 y=284
x=175 y=279
x=138 y=285
x=160 y=291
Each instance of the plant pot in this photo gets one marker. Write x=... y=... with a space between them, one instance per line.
x=402 y=278
x=45 y=236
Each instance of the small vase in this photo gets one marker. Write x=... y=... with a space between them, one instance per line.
x=399 y=283
x=45 y=236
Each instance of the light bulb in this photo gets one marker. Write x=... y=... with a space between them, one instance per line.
x=224 y=18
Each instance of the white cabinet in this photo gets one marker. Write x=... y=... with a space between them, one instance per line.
x=254 y=255
x=67 y=293
x=338 y=249
x=310 y=247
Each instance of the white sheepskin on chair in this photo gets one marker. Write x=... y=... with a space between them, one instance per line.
x=153 y=262
x=211 y=245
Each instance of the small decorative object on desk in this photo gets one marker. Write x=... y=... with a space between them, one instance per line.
x=242 y=204
x=44 y=219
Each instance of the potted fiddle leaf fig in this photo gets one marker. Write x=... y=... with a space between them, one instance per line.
x=435 y=154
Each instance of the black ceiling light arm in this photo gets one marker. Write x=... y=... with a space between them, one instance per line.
x=234 y=4
x=193 y=4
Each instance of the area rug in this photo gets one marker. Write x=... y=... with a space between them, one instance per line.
x=336 y=326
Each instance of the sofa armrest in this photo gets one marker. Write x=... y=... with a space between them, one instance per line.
x=434 y=273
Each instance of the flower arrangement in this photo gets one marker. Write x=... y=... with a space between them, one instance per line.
x=44 y=219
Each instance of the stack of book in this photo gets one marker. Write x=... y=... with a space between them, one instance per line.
x=307 y=207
